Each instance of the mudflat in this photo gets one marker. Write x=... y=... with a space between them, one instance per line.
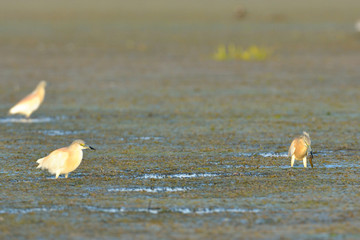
x=188 y=147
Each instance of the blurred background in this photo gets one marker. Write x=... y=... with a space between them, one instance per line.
x=163 y=44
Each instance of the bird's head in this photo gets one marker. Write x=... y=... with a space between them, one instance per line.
x=82 y=144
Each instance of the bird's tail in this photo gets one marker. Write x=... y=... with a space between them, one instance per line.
x=12 y=110
x=40 y=161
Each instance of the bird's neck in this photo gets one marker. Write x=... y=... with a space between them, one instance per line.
x=76 y=151
x=40 y=90
x=74 y=147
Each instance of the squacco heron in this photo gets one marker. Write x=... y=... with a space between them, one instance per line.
x=300 y=148
x=31 y=102
x=64 y=160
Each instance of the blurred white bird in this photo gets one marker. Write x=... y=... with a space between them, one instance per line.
x=64 y=160
x=31 y=102
x=357 y=26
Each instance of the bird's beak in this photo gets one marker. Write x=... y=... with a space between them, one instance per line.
x=90 y=147
x=85 y=146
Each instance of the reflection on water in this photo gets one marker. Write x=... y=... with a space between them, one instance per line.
x=60 y=132
x=298 y=164
x=25 y=120
x=71 y=175
x=30 y=210
x=122 y=210
x=213 y=210
x=31 y=120
x=282 y=154
x=272 y=154
x=199 y=211
x=150 y=190
x=180 y=175
x=146 y=138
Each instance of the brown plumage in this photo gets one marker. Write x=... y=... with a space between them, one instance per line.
x=300 y=148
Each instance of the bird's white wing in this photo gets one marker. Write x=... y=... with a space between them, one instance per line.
x=54 y=161
x=292 y=148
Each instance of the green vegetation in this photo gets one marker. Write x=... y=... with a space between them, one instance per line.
x=233 y=52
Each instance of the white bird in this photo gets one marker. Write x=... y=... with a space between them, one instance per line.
x=31 y=102
x=357 y=26
x=300 y=148
x=64 y=160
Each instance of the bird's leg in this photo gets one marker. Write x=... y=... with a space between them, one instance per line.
x=292 y=160
x=57 y=175
x=305 y=162
x=310 y=159
x=66 y=175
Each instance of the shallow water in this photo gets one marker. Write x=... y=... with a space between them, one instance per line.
x=60 y=132
x=150 y=190
x=199 y=211
x=17 y=211
x=27 y=120
x=179 y=175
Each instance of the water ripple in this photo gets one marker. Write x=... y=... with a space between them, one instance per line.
x=180 y=175
x=30 y=210
x=182 y=210
x=150 y=190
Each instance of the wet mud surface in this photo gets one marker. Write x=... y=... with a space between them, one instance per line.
x=187 y=147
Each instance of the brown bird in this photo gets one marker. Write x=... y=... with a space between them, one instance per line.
x=64 y=160
x=31 y=102
x=300 y=148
